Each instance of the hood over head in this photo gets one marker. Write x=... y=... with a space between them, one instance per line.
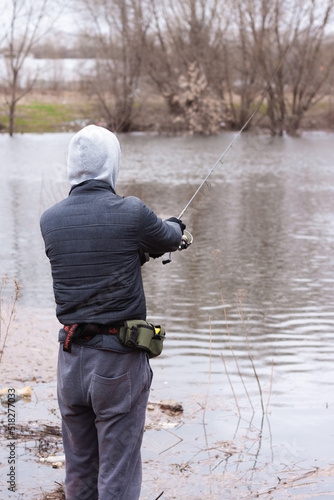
x=93 y=153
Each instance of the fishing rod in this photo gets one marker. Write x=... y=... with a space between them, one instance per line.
x=187 y=237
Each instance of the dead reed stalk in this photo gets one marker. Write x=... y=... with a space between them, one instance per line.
x=209 y=377
x=231 y=385
x=7 y=313
x=271 y=384
x=217 y=252
x=240 y=294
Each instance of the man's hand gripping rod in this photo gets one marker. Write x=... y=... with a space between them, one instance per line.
x=186 y=241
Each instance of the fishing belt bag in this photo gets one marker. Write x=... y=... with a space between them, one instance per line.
x=138 y=334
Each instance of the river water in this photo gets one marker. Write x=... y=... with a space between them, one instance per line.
x=248 y=307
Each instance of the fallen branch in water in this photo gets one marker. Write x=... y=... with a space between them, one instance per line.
x=26 y=432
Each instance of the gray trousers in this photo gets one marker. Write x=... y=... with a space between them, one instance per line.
x=102 y=397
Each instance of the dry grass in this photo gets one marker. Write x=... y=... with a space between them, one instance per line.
x=57 y=494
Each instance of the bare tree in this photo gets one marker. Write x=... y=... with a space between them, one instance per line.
x=241 y=70
x=288 y=38
x=309 y=65
x=118 y=28
x=186 y=39
x=23 y=28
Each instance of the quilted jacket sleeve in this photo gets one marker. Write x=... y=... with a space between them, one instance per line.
x=158 y=236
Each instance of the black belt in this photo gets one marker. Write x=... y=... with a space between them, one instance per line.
x=87 y=331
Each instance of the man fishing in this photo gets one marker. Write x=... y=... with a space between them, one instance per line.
x=96 y=242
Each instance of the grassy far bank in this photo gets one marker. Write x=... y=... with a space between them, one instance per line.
x=40 y=113
x=61 y=111
x=67 y=111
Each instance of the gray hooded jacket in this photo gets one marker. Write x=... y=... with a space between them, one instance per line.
x=93 y=237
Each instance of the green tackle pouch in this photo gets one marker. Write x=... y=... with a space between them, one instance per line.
x=138 y=334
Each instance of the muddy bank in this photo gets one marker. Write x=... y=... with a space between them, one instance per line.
x=68 y=111
x=185 y=453
x=42 y=442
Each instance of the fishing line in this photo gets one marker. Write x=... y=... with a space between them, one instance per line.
x=189 y=239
